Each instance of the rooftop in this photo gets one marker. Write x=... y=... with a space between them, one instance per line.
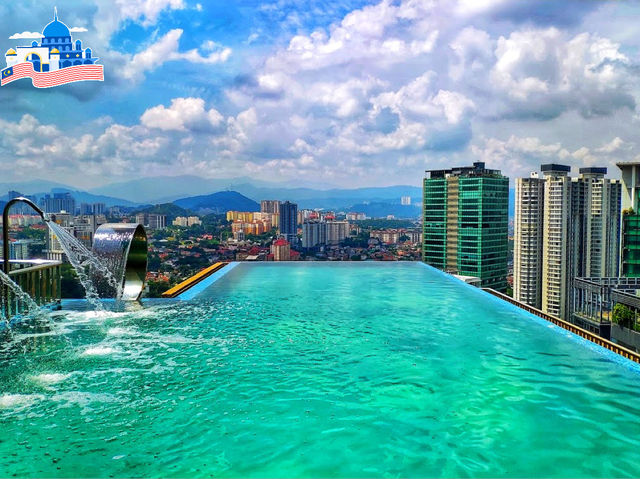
x=478 y=169
x=555 y=167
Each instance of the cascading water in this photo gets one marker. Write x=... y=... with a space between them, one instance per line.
x=19 y=296
x=124 y=274
x=86 y=264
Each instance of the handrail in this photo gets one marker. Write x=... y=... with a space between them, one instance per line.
x=583 y=333
x=36 y=267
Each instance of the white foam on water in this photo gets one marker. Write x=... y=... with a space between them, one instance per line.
x=99 y=351
x=48 y=379
x=83 y=398
x=19 y=400
x=121 y=331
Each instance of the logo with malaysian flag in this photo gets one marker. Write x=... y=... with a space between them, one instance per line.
x=56 y=60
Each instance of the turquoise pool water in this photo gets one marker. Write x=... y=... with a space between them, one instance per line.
x=316 y=370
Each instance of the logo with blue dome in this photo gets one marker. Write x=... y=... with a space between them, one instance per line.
x=55 y=61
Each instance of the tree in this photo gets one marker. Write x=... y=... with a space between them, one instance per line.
x=623 y=315
x=156 y=288
x=69 y=283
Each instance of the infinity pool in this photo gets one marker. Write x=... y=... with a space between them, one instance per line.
x=316 y=369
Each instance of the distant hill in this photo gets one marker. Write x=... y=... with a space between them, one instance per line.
x=218 y=203
x=335 y=198
x=84 y=197
x=29 y=188
x=170 y=188
x=170 y=210
x=163 y=189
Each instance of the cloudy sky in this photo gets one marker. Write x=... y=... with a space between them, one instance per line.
x=344 y=92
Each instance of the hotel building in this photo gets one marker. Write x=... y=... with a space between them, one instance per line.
x=465 y=221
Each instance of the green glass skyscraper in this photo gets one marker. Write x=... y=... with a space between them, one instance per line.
x=630 y=252
x=465 y=220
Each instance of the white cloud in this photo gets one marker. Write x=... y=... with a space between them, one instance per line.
x=373 y=97
x=615 y=145
x=112 y=15
x=365 y=34
x=78 y=29
x=25 y=35
x=146 y=11
x=516 y=156
x=418 y=99
x=167 y=49
x=183 y=114
x=547 y=72
x=473 y=50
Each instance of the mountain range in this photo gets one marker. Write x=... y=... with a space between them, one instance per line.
x=207 y=195
x=39 y=188
x=220 y=202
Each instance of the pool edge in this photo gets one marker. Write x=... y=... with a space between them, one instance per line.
x=198 y=288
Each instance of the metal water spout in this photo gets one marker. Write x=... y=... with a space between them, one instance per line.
x=122 y=247
x=5 y=226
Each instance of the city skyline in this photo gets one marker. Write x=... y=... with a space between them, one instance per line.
x=350 y=94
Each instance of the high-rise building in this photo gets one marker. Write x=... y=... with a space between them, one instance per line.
x=465 y=221
x=405 y=200
x=142 y=219
x=54 y=248
x=337 y=231
x=17 y=249
x=21 y=208
x=86 y=208
x=314 y=233
x=555 y=238
x=353 y=216
x=527 y=251
x=99 y=208
x=272 y=218
x=85 y=226
x=240 y=216
x=597 y=235
x=304 y=215
x=281 y=250
x=152 y=221
x=157 y=222
x=564 y=228
x=289 y=221
x=180 y=221
x=270 y=206
x=630 y=257
x=59 y=202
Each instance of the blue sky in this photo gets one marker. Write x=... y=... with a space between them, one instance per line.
x=344 y=93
